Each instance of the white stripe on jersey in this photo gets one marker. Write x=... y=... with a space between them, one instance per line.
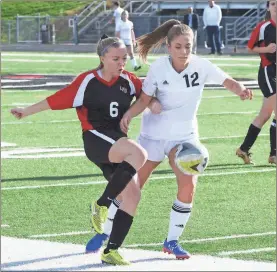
x=78 y=100
x=132 y=86
x=262 y=30
x=104 y=137
x=267 y=80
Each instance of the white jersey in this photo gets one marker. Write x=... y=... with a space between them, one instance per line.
x=179 y=94
x=125 y=29
x=117 y=16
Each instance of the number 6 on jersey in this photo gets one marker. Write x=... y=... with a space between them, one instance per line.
x=113 y=109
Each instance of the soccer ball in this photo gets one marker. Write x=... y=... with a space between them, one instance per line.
x=191 y=159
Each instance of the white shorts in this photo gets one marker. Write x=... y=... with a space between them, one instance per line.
x=127 y=42
x=158 y=149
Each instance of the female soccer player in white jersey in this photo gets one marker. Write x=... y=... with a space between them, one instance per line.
x=177 y=82
x=125 y=31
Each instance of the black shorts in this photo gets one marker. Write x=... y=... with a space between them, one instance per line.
x=97 y=145
x=267 y=80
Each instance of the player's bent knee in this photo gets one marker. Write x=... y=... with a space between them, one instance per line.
x=140 y=155
x=191 y=159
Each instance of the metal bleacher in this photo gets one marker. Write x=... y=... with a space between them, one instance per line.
x=94 y=20
x=201 y=4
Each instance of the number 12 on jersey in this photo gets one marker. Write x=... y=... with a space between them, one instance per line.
x=194 y=78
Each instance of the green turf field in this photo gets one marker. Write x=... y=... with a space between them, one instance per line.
x=234 y=204
x=54 y=63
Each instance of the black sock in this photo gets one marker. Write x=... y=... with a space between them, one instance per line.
x=250 y=138
x=121 y=177
x=121 y=225
x=272 y=131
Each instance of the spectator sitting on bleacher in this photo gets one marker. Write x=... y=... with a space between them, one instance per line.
x=212 y=16
x=192 y=20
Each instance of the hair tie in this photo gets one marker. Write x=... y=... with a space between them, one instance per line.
x=104 y=36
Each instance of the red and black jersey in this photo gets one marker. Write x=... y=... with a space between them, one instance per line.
x=262 y=36
x=99 y=104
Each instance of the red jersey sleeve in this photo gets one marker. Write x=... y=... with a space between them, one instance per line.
x=137 y=83
x=64 y=98
x=254 y=38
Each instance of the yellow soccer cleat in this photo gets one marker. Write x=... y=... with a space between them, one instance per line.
x=99 y=215
x=113 y=258
x=246 y=156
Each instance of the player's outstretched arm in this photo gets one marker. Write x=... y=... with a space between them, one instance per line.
x=139 y=106
x=20 y=113
x=271 y=48
x=238 y=88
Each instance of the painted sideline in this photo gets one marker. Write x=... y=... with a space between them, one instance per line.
x=26 y=255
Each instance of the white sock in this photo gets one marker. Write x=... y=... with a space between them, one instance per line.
x=111 y=213
x=134 y=62
x=179 y=217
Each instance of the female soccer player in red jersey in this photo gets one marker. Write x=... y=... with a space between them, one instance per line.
x=101 y=97
x=263 y=42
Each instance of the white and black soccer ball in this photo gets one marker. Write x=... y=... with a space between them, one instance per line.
x=191 y=159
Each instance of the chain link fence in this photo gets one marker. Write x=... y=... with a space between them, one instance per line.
x=8 y=31
x=39 y=29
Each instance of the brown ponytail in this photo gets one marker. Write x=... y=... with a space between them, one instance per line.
x=166 y=32
x=267 y=16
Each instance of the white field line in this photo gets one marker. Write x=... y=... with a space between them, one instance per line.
x=16 y=104
x=33 y=60
x=4 y=155
x=5 y=226
x=4 y=144
x=54 y=185
x=52 y=146
x=27 y=255
x=50 y=153
x=139 y=117
x=47 y=84
x=229 y=137
x=152 y=178
x=60 y=234
x=95 y=56
x=193 y=241
x=14 y=80
x=39 y=122
x=227 y=113
x=236 y=65
x=26 y=91
x=226 y=96
x=41 y=150
x=247 y=251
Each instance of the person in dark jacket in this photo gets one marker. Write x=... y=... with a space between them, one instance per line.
x=192 y=20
